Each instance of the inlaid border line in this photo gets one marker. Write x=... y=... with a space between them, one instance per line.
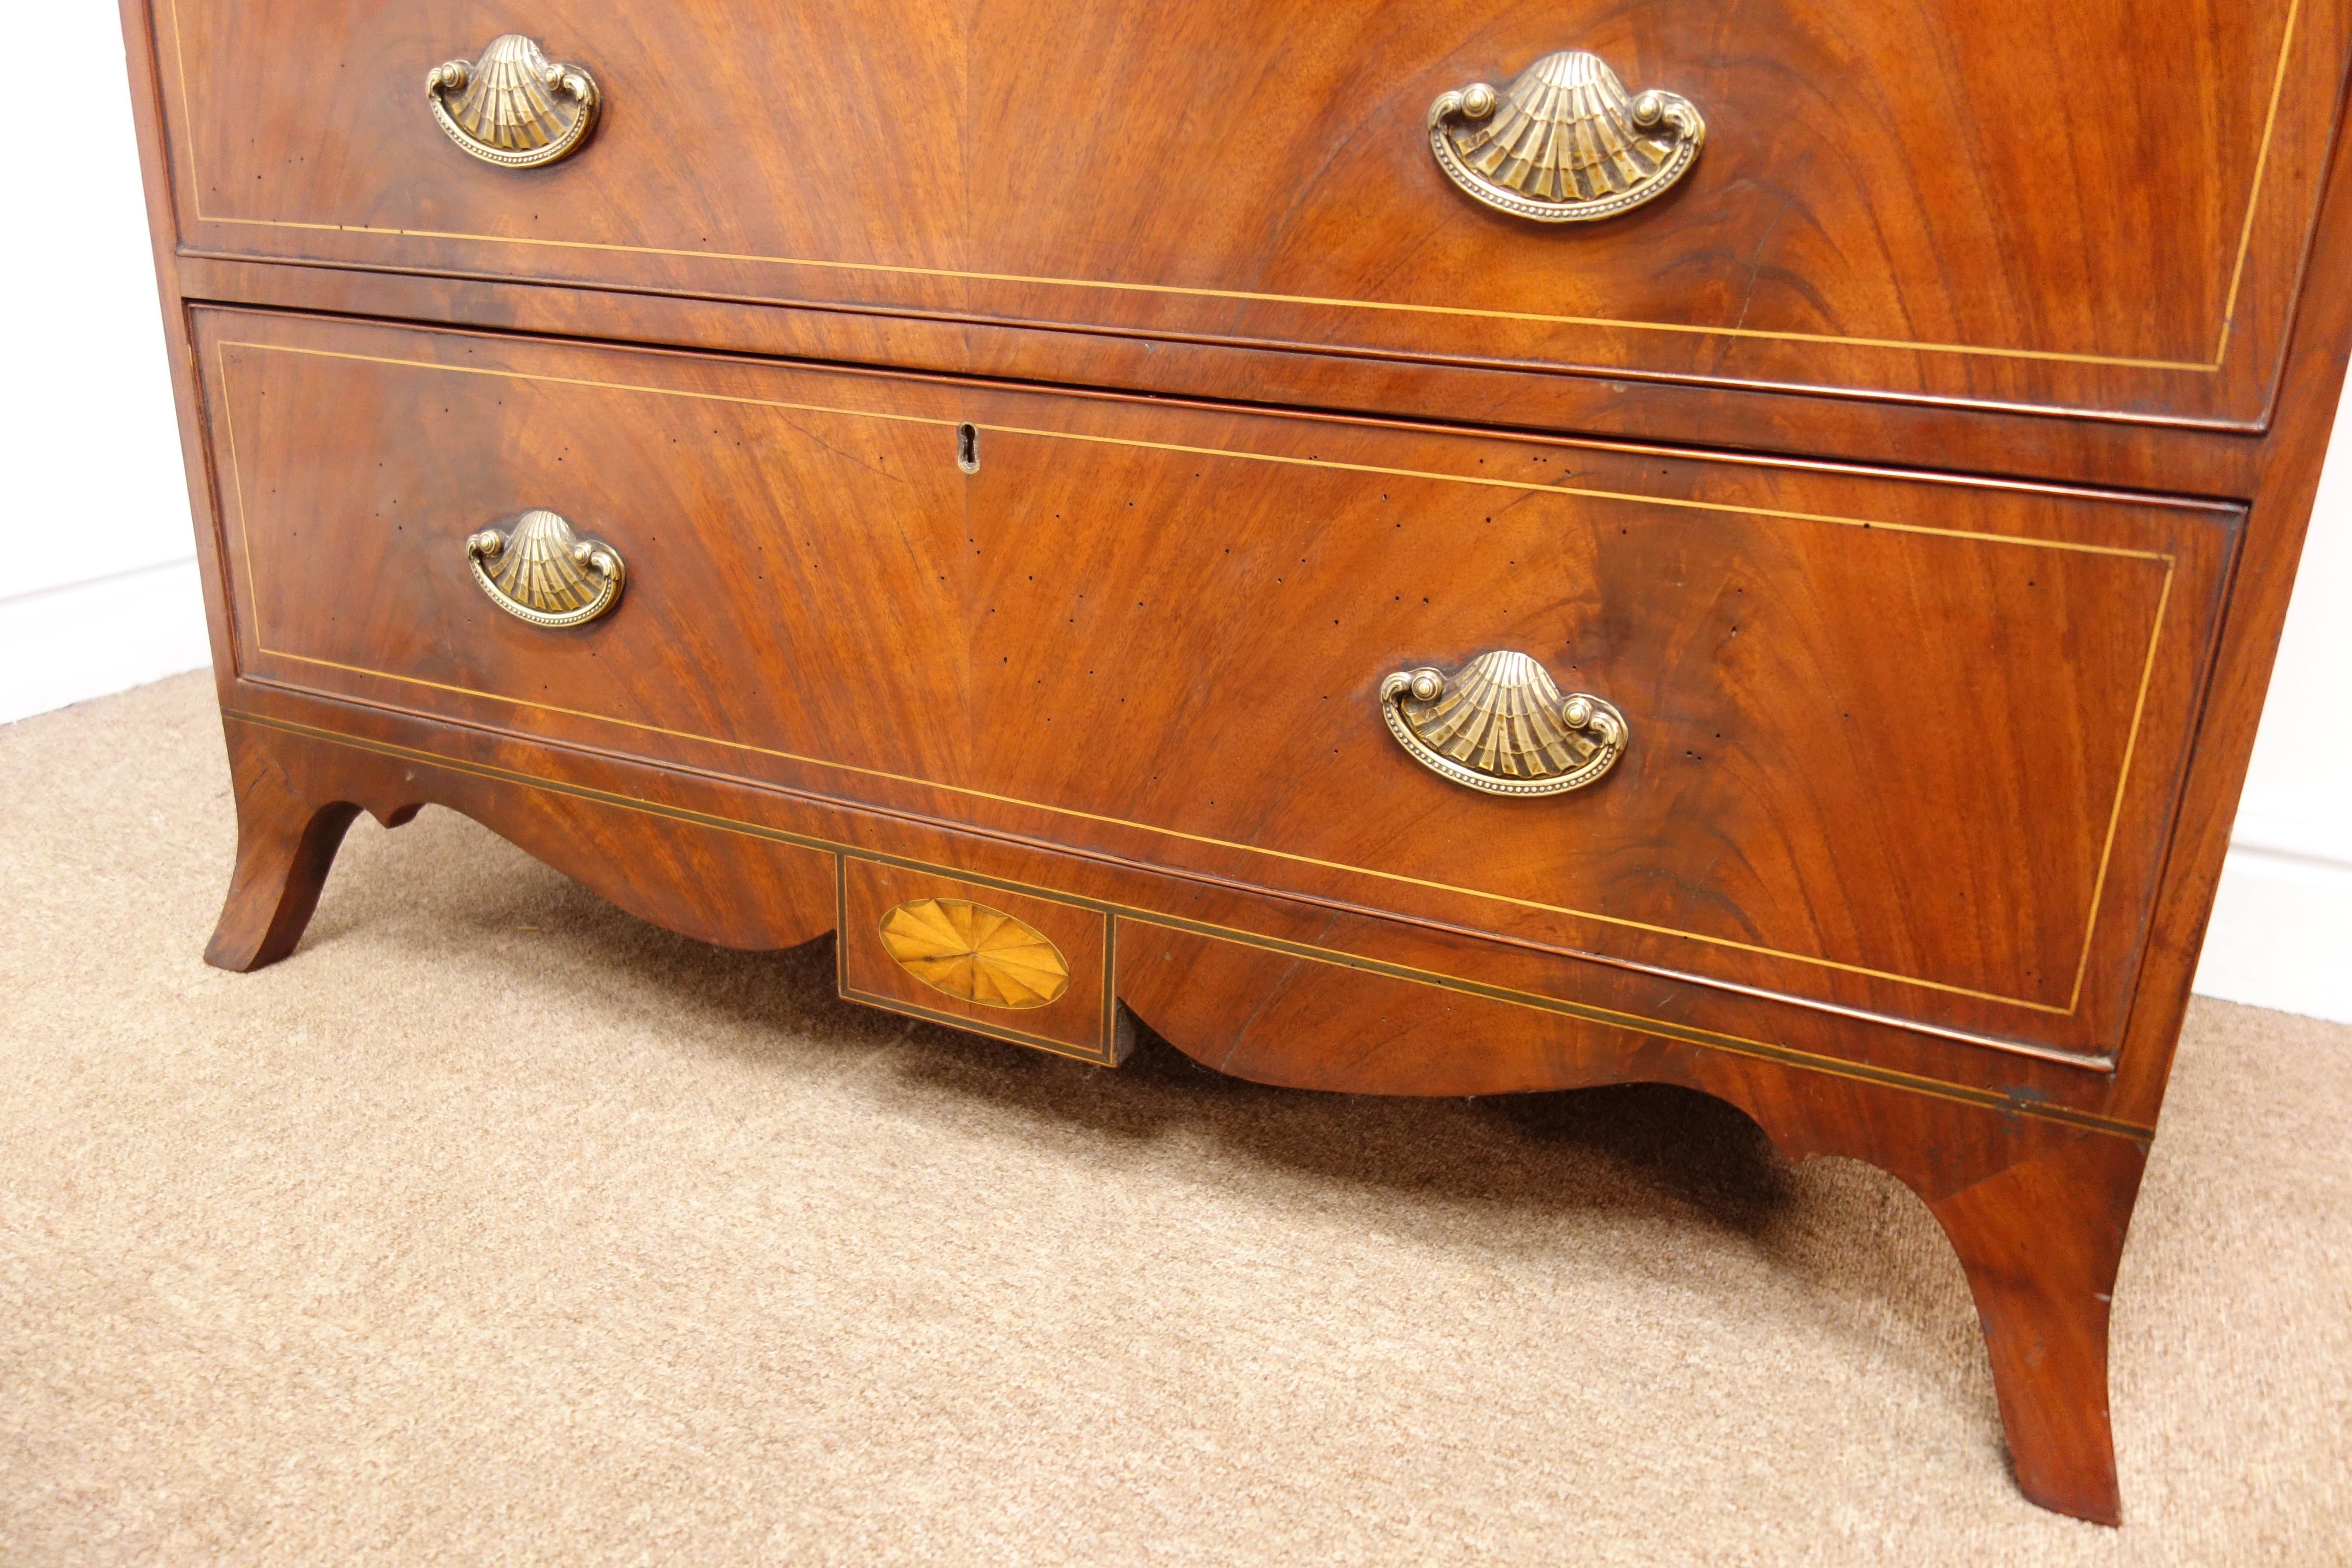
x=2213 y=366
x=844 y=854
x=1735 y=1045
x=2099 y=878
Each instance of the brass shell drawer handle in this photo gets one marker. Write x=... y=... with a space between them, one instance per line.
x=544 y=574
x=1500 y=724
x=513 y=107
x=1565 y=142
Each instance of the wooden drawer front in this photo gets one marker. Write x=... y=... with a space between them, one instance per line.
x=2102 y=211
x=1899 y=745
x=980 y=955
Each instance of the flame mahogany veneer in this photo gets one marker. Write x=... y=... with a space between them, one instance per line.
x=1019 y=518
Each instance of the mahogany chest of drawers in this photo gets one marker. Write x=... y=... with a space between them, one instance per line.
x=1431 y=549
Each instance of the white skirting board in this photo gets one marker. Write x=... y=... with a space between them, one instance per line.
x=2282 y=935
x=81 y=640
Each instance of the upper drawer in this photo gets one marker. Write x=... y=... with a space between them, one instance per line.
x=2100 y=205
x=1892 y=745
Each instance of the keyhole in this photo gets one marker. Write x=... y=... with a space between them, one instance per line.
x=968 y=449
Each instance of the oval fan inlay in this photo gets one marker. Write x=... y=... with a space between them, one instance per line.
x=975 y=953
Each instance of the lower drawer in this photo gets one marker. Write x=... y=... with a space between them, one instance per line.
x=1890 y=745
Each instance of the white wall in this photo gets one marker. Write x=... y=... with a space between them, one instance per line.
x=103 y=592
x=101 y=589
x=2281 y=930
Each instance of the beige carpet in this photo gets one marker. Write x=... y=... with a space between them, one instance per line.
x=495 y=1226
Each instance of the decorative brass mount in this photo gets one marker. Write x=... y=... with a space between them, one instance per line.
x=1564 y=144
x=544 y=574
x=1500 y=724
x=975 y=953
x=513 y=107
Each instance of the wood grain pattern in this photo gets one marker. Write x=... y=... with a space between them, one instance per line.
x=475 y=769
x=2278 y=516
x=837 y=648
x=1936 y=198
x=285 y=845
x=2175 y=459
x=1879 y=726
x=295 y=801
x=2036 y=1206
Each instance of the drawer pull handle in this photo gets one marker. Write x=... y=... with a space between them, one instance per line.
x=544 y=574
x=1565 y=142
x=1500 y=724
x=513 y=107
